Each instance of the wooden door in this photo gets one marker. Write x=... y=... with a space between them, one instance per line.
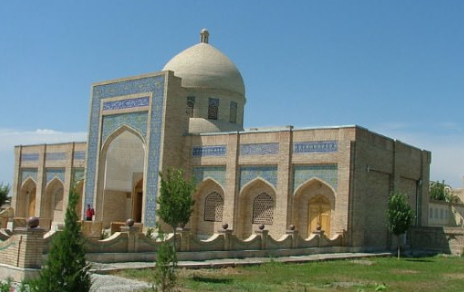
x=319 y=214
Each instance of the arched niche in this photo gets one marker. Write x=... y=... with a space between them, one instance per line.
x=256 y=197
x=207 y=216
x=121 y=168
x=313 y=207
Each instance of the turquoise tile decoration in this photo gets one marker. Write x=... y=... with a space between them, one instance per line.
x=153 y=86
x=315 y=147
x=259 y=149
x=79 y=155
x=55 y=156
x=51 y=173
x=218 y=173
x=202 y=151
x=131 y=103
x=28 y=173
x=249 y=173
x=77 y=175
x=30 y=157
x=326 y=172
x=137 y=121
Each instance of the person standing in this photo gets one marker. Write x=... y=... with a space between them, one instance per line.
x=89 y=213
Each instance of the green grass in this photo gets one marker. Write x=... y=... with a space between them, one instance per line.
x=438 y=273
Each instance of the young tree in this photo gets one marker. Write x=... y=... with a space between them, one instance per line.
x=4 y=191
x=175 y=200
x=399 y=215
x=175 y=207
x=65 y=269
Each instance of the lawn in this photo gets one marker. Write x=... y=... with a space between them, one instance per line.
x=439 y=273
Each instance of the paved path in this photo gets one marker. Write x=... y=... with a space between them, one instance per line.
x=103 y=282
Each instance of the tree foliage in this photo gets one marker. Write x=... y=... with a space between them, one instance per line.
x=175 y=207
x=65 y=269
x=175 y=201
x=399 y=215
x=4 y=191
x=440 y=191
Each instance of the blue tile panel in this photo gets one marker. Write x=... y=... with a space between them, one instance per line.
x=149 y=85
x=79 y=155
x=137 y=121
x=55 y=156
x=126 y=104
x=315 y=146
x=201 y=151
x=52 y=173
x=218 y=173
x=249 y=173
x=78 y=175
x=30 y=157
x=28 y=173
x=259 y=149
x=327 y=173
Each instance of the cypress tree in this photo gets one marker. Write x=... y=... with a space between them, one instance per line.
x=65 y=269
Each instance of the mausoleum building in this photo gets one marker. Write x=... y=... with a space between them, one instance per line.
x=190 y=115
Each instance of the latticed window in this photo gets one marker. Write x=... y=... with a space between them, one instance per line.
x=190 y=106
x=213 y=108
x=263 y=209
x=233 y=112
x=214 y=206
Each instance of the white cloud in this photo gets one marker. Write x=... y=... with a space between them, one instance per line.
x=10 y=138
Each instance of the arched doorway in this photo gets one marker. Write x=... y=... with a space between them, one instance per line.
x=52 y=204
x=123 y=165
x=319 y=215
x=314 y=207
x=27 y=198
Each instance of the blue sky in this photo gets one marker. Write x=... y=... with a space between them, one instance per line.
x=394 y=67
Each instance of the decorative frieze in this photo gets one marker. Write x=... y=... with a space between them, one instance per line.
x=315 y=146
x=259 y=149
x=55 y=156
x=132 y=103
x=30 y=157
x=200 y=151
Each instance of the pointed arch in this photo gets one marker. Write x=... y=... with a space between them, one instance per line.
x=122 y=166
x=53 y=203
x=256 y=205
x=113 y=135
x=253 y=183
x=312 y=181
x=25 y=204
x=206 y=207
x=314 y=206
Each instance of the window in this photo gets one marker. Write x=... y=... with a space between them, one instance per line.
x=233 y=112
x=214 y=206
x=213 y=108
x=431 y=212
x=190 y=106
x=263 y=209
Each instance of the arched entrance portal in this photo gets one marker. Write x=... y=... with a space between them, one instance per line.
x=123 y=159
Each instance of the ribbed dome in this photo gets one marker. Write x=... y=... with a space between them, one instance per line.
x=203 y=66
